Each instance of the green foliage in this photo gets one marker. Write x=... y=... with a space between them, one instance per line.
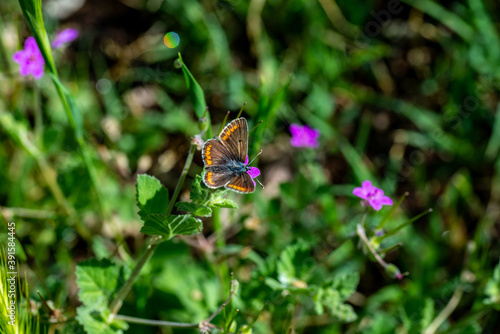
x=169 y=226
x=492 y=289
x=98 y=281
x=152 y=197
x=333 y=294
x=407 y=100
x=196 y=209
x=210 y=198
x=196 y=95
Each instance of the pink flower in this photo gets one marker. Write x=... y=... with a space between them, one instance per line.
x=372 y=195
x=30 y=59
x=253 y=171
x=304 y=136
x=63 y=37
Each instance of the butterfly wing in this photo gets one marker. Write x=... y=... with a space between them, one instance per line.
x=235 y=138
x=214 y=153
x=242 y=183
x=215 y=179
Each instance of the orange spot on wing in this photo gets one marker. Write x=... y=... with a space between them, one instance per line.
x=225 y=137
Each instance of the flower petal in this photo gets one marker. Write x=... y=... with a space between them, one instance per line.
x=360 y=192
x=246 y=161
x=65 y=36
x=19 y=56
x=295 y=129
x=376 y=205
x=367 y=185
x=385 y=200
x=253 y=172
x=30 y=45
x=38 y=72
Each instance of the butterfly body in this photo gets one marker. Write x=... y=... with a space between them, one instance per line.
x=226 y=159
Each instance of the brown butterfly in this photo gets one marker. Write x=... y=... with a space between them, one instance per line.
x=226 y=159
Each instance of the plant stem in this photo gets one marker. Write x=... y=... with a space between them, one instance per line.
x=361 y=233
x=221 y=243
x=185 y=170
x=38 y=115
x=154 y=322
x=116 y=303
x=446 y=312
x=153 y=243
x=171 y=323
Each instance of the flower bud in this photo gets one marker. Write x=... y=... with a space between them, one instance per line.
x=393 y=271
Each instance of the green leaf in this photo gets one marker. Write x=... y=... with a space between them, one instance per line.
x=333 y=301
x=96 y=319
x=32 y=10
x=345 y=284
x=196 y=95
x=198 y=193
x=492 y=289
x=294 y=263
x=318 y=301
x=427 y=313
x=98 y=279
x=344 y=312
x=170 y=225
x=197 y=210
x=219 y=202
x=152 y=197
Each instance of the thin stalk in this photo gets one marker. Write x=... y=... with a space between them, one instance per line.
x=241 y=110
x=141 y=321
x=446 y=312
x=116 y=303
x=389 y=214
x=49 y=175
x=220 y=243
x=361 y=233
x=223 y=123
x=185 y=170
x=38 y=115
x=171 y=323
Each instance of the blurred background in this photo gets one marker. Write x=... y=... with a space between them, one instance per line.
x=405 y=94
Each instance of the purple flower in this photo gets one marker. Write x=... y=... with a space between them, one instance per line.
x=304 y=136
x=63 y=37
x=253 y=171
x=30 y=59
x=372 y=195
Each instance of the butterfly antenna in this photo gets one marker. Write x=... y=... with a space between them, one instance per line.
x=224 y=122
x=260 y=183
x=241 y=110
x=255 y=157
x=255 y=127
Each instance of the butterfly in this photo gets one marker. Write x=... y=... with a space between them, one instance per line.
x=226 y=159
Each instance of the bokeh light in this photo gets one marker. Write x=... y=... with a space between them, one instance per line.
x=171 y=40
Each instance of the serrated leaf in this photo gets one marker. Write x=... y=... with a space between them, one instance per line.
x=318 y=301
x=294 y=263
x=197 y=210
x=198 y=194
x=95 y=319
x=152 y=197
x=98 y=279
x=345 y=284
x=343 y=312
x=220 y=202
x=170 y=225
